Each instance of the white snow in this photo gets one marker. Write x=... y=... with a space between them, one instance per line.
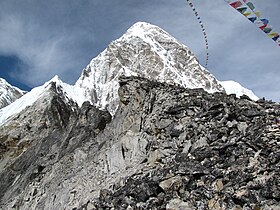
x=31 y=97
x=7 y=91
x=69 y=91
x=4 y=83
x=232 y=87
x=26 y=100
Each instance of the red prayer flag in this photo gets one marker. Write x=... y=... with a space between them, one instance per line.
x=236 y=4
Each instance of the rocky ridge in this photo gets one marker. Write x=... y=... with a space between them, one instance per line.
x=167 y=147
x=207 y=151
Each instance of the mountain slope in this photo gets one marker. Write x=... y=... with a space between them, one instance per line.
x=41 y=135
x=8 y=93
x=166 y=148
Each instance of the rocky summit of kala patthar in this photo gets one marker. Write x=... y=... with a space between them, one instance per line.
x=166 y=148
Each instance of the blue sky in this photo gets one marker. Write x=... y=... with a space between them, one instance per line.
x=39 y=38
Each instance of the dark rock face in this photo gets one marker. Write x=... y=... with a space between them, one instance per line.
x=205 y=151
x=166 y=148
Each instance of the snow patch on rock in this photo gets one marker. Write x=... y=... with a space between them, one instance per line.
x=232 y=87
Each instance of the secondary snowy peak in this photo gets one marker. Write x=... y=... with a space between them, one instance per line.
x=232 y=87
x=28 y=99
x=8 y=93
x=147 y=51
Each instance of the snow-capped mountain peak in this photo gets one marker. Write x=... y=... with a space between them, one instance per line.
x=68 y=93
x=30 y=98
x=147 y=32
x=8 y=93
x=147 y=51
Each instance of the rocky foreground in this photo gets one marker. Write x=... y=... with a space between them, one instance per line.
x=166 y=148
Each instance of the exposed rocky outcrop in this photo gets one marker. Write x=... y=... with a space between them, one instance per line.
x=204 y=151
x=166 y=148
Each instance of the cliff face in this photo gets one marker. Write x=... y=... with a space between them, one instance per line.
x=204 y=151
x=36 y=140
x=166 y=148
